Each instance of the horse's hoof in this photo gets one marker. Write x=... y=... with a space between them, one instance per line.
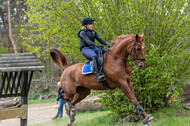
x=147 y=120
x=148 y=124
x=69 y=123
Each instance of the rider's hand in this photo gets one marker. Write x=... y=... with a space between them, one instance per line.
x=108 y=45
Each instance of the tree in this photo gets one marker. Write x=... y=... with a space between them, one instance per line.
x=18 y=13
x=4 y=23
x=16 y=25
x=10 y=27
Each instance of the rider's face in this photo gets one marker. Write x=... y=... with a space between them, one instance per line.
x=89 y=26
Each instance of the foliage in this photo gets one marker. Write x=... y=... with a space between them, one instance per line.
x=166 y=26
x=3 y=49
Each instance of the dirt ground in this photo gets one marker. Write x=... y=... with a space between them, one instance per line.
x=37 y=113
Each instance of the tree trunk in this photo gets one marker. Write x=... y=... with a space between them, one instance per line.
x=20 y=8
x=4 y=23
x=18 y=13
x=10 y=27
x=9 y=103
x=0 y=38
x=26 y=6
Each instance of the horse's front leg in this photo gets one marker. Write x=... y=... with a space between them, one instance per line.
x=126 y=89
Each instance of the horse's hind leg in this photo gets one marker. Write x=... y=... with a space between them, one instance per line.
x=81 y=93
x=71 y=113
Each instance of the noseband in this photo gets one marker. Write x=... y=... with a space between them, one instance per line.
x=132 y=49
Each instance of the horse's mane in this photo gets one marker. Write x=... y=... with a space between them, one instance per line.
x=120 y=38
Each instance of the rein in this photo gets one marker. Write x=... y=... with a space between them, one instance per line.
x=118 y=56
x=142 y=59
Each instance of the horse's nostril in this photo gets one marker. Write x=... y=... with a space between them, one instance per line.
x=141 y=66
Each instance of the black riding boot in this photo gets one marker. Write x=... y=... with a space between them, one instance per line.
x=100 y=76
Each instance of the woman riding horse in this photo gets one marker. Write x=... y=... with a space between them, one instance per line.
x=89 y=49
x=115 y=68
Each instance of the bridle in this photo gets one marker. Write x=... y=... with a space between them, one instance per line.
x=132 y=49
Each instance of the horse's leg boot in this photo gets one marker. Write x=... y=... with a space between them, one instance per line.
x=72 y=113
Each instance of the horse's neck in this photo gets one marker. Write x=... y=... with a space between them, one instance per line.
x=121 y=49
x=122 y=52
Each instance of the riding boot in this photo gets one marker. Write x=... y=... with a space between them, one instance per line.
x=100 y=76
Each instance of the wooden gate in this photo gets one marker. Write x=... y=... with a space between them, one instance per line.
x=16 y=71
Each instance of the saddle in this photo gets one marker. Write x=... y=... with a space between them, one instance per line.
x=88 y=67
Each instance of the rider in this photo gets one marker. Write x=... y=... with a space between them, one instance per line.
x=89 y=49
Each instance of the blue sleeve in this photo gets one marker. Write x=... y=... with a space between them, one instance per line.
x=59 y=97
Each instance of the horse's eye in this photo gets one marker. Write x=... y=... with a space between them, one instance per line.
x=138 y=49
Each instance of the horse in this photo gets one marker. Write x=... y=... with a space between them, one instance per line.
x=115 y=68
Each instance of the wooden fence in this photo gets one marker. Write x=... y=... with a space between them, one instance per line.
x=16 y=71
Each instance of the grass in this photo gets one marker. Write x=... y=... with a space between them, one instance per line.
x=36 y=101
x=175 y=115
x=88 y=118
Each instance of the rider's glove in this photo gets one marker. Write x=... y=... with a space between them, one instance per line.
x=108 y=45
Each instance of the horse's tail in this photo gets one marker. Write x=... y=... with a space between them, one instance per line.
x=58 y=58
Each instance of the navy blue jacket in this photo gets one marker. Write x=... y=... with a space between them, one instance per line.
x=60 y=94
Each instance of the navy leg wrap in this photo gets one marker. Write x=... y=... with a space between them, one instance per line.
x=70 y=104
x=139 y=109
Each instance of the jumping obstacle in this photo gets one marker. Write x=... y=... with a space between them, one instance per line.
x=16 y=71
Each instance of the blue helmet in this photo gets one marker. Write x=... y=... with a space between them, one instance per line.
x=87 y=20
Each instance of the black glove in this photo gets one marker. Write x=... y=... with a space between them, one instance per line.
x=99 y=46
x=108 y=45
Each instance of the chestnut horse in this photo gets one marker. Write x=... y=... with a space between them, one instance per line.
x=116 y=70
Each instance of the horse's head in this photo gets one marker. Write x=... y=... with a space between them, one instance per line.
x=137 y=51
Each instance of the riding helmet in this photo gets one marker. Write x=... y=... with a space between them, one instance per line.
x=87 y=20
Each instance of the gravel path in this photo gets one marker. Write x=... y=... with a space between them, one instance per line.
x=37 y=113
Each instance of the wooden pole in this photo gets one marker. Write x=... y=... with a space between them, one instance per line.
x=24 y=96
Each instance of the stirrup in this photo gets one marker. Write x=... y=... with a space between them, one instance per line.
x=101 y=77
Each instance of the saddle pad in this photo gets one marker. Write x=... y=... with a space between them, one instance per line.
x=86 y=69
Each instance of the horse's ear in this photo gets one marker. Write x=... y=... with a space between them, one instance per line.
x=142 y=35
x=137 y=37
